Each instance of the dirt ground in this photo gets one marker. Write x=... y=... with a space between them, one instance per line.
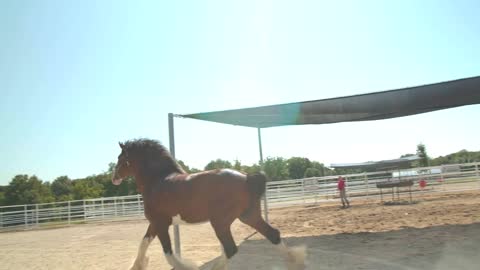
x=439 y=232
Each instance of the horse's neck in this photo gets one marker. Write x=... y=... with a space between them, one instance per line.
x=155 y=184
x=153 y=177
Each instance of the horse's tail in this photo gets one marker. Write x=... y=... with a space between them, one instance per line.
x=256 y=183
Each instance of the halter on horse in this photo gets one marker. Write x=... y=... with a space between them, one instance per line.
x=172 y=196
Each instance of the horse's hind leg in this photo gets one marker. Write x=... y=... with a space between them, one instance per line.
x=294 y=256
x=224 y=234
x=141 y=261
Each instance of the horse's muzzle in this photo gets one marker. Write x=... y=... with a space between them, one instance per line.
x=117 y=181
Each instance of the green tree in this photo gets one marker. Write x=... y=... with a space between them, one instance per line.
x=62 y=188
x=87 y=188
x=218 y=164
x=422 y=154
x=344 y=171
x=128 y=186
x=104 y=180
x=27 y=190
x=312 y=172
x=276 y=168
x=297 y=167
x=237 y=165
x=324 y=171
x=2 y=195
x=111 y=167
x=184 y=166
x=462 y=156
x=251 y=169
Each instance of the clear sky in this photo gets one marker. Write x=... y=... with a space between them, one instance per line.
x=76 y=77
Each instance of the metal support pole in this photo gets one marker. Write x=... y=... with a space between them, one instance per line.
x=265 y=197
x=171 y=136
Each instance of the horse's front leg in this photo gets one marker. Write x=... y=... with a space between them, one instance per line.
x=174 y=261
x=141 y=261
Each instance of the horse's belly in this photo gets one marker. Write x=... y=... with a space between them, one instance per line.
x=177 y=220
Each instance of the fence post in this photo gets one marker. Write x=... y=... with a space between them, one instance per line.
x=368 y=186
x=115 y=205
x=36 y=214
x=138 y=203
x=103 y=210
x=443 y=180
x=325 y=188
x=25 y=215
x=477 y=173
x=84 y=212
x=303 y=190
x=69 y=209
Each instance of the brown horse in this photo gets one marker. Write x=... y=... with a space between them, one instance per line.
x=172 y=196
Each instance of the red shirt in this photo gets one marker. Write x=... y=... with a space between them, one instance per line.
x=341 y=184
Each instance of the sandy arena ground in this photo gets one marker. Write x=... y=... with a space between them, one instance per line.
x=439 y=232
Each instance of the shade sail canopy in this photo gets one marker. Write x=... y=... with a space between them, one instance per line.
x=379 y=165
x=372 y=106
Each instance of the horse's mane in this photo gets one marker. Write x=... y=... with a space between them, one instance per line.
x=155 y=157
x=144 y=146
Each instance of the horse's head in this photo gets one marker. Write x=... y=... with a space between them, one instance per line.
x=124 y=167
x=146 y=160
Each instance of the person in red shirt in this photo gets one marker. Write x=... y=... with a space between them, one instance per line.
x=342 y=191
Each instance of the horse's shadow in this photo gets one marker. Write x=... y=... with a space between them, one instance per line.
x=436 y=247
x=256 y=254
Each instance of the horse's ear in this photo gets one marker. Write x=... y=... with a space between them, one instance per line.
x=121 y=145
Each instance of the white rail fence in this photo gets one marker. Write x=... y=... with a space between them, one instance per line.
x=449 y=178
x=71 y=212
x=461 y=177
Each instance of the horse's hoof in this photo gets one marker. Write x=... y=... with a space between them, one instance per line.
x=220 y=264
x=140 y=265
x=296 y=258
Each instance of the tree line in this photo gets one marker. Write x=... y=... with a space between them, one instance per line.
x=25 y=189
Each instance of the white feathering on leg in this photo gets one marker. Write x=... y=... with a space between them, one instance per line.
x=295 y=256
x=220 y=263
x=180 y=264
x=141 y=262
